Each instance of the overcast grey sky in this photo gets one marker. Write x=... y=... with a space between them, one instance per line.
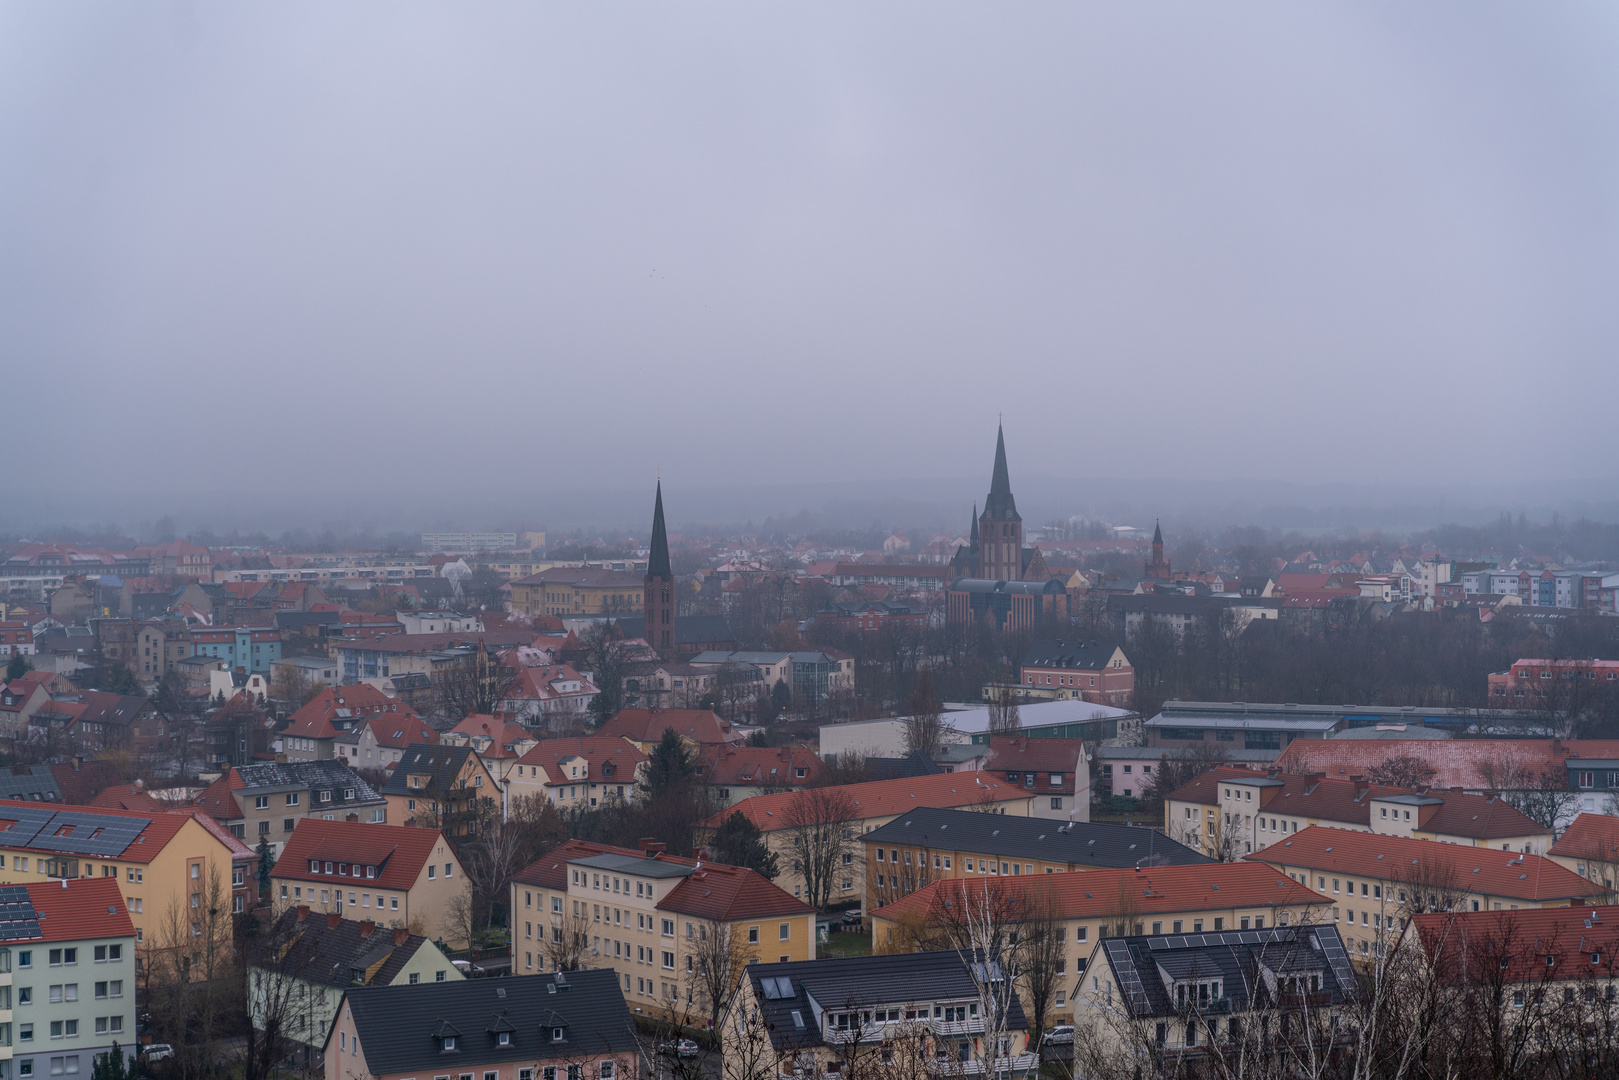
x=285 y=245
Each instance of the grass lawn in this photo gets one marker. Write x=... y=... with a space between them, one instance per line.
x=840 y=945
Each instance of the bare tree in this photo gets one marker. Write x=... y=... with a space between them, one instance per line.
x=819 y=832
x=475 y=685
x=1004 y=718
x=1405 y=770
x=715 y=965
x=567 y=944
x=191 y=972
x=924 y=727
x=1039 y=957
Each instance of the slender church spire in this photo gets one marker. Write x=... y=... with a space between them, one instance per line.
x=1157 y=532
x=658 y=561
x=1000 y=505
x=972 y=544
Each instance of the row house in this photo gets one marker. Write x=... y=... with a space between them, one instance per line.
x=863 y=809
x=1090 y=908
x=379 y=740
x=1094 y=671
x=396 y=875
x=651 y=918
x=251 y=648
x=441 y=786
x=928 y=844
x=164 y=862
x=264 y=803
x=549 y=696
x=568 y=1026
x=1232 y=811
x=1376 y=883
x=578 y=772
x=314 y=730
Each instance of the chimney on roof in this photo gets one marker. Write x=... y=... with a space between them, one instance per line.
x=1455 y=791
x=332 y=919
x=651 y=846
x=1360 y=784
x=303 y=912
x=401 y=935
x=366 y=927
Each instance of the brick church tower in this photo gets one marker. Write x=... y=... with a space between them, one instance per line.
x=1158 y=568
x=1000 y=527
x=658 y=599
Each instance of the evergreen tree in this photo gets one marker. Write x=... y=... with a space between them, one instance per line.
x=266 y=863
x=18 y=667
x=110 y=1066
x=669 y=768
x=780 y=696
x=739 y=842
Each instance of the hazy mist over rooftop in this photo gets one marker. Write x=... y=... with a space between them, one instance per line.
x=314 y=257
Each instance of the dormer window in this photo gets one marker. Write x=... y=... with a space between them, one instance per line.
x=326 y=796
x=449 y=1042
x=314 y=866
x=505 y=1038
x=558 y=1034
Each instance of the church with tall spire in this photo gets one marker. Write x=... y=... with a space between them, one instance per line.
x=996 y=579
x=658 y=596
x=995 y=551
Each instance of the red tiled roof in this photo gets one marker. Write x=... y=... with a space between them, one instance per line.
x=160 y=829
x=880 y=798
x=238 y=850
x=398 y=851
x=761 y=766
x=549 y=871
x=1090 y=894
x=128 y=797
x=1476 y=764
x=84 y=780
x=1019 y=753
x=1474 y=944
x=725 y=893
x=648 y=725
x=1480 y=817
x=78 y=908
x=596 y=750
x=397 y=731
x=713 y=891
x=1395 y=858
x=1590 y=836
x=216 y=799
x=315 y=720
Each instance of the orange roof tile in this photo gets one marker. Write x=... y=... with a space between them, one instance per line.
x=1480 y=945
x=346 y=706
x=1090 y=894
x=881 y=798
x=725 y=893
x=160 y=828
x=1395 y=858
x=398 y=851
x=84 y=908
x=1590 y=836
x=595 y=750
x=648 y=725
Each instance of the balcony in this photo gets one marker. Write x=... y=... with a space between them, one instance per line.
x=865 y=1033
x=973 y=1026
x=1002 y=1066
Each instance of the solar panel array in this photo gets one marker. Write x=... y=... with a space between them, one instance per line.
x=1337 y=957
x=1118 y=952
x=29 y=821
x=78 y=833
x=777 y=988
x=18 y=919
x=1226 y=937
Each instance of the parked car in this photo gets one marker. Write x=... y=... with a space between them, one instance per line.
x=1062 y=1033
x=158 y=1052
x=686 y=1048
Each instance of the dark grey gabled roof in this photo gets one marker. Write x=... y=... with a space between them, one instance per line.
x=398 y=1025
x=1141 y=966
x=1084 y=843
x=859 y=982
x=339 y=955
x=689 y=629
x=1084 y=655
x=442 y=761
x=314 y=776
x=999 y=505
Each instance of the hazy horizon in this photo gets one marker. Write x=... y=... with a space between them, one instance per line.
x=307 y=260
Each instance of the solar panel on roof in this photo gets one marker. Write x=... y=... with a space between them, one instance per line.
x=89 y=834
